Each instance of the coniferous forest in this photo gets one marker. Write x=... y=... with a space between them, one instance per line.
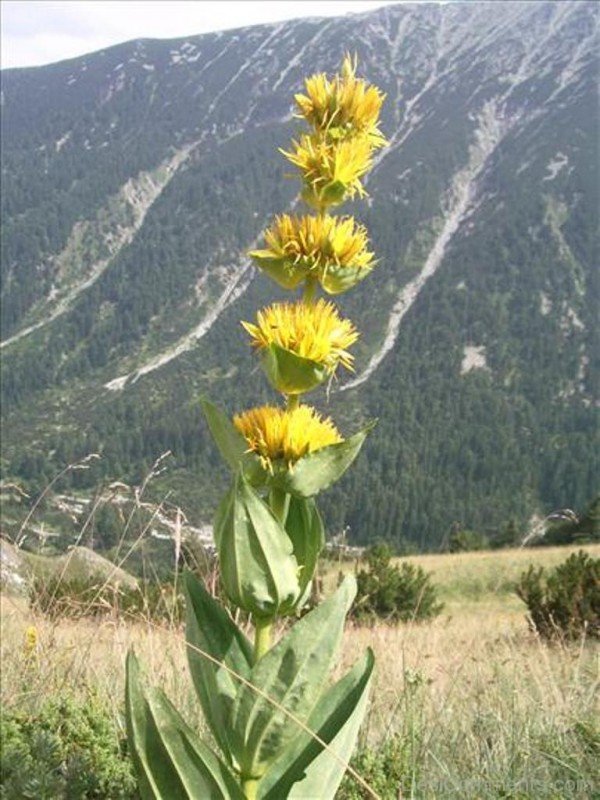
x=136 y=179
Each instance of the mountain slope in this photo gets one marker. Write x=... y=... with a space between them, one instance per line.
x=136 y=179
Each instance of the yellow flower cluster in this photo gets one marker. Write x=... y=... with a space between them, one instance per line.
x=316 y=332
x=321 y=248
x=343 y=113
x=31 y=641
x=331 y=170
x=301 y=344
x=275 y=434
x=345 y=106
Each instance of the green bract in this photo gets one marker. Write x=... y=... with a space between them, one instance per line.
x=317 y=471
x=231 y=444
x=304 y=526
x=336 y=280
x=332 y=194
x=282 y=270
x=290 y=373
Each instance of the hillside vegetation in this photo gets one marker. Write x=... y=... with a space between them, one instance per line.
x=468 y=705
x=136 y=179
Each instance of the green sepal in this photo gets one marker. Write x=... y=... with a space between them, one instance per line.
x=256 y=557
x=331 y=195
x=210 y=628
x=337 y=132
x=336 y=280
x=283 y=271
x=169 y=758
x=305 y=528
x=229 y=441
x=306 y=768
x=290 y=373
x=318 y=470
x=292 y=673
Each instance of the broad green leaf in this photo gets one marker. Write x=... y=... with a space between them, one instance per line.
x=290 y=373
x=156 y=777
x=318 y=470
x=202 y=773
x=306 y=769
x=258 y=569
x=293 y=674
x=230 y=442
x=304 y=526
x=211 y=629
x=170 y=759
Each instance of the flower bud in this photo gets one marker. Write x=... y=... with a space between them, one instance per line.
x=256 y=556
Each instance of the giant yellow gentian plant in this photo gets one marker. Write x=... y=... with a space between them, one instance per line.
x=278 y=728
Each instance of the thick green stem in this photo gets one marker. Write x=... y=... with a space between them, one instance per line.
x=250 y=787
x=310 y=289
x=262 y=637
x=280 y=503
x=292 y=401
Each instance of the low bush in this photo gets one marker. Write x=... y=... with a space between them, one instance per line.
x=393 y=593
x=64 y=751
x=465 y=541
x=567 y=527
x=566 y=602
x=385 y=769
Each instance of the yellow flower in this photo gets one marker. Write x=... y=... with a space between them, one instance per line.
x=331 y=170
x=343 y=107
x=31 y=640
x=279 y=435
x=313 y=331
x=332 y=250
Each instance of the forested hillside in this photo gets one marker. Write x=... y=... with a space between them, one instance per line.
x=136 y=179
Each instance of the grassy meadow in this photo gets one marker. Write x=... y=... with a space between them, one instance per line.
x=469 y=705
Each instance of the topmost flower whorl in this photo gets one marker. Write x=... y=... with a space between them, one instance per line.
x=343 y=107
x=344 y=116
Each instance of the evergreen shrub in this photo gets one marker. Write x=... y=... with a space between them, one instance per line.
x=566 y=602
x=393 y=593
x=65 y=750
